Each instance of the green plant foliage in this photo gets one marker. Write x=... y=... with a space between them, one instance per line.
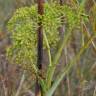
x=72 y=17
x=23 y=27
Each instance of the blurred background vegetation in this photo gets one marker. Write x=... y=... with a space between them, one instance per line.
x=82 y=80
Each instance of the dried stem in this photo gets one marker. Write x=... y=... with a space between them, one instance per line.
x=20 y=85
x=38 y=89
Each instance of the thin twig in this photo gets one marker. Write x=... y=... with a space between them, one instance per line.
x=68 y=81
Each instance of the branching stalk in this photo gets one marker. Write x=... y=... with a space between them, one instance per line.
x=51 y=69
x=66 y=70
x=49 y=55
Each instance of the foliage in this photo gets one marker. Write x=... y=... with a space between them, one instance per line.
x=23 y=27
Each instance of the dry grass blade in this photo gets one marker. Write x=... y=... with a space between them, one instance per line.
x=20 y=85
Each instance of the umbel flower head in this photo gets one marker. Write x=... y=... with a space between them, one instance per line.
x=23 y=27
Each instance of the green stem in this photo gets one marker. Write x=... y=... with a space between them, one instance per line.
x=66 y=70
x=49 y=55
x=48 y=48
x=51 y=69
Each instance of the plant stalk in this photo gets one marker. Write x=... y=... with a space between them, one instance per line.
x=66 y=70
x=38 y=89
